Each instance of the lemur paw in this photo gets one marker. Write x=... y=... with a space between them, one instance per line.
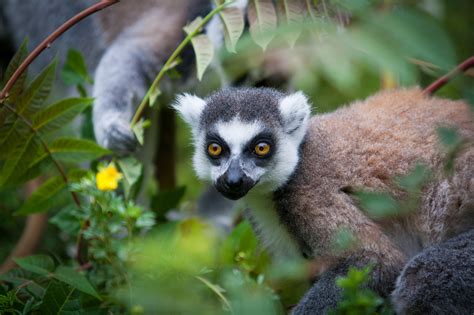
x=117 y=136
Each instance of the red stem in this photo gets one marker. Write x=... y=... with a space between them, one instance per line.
x=51 y=38
x=436 y=85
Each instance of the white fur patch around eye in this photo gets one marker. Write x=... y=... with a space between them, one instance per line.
x=190 y=108
x=295 y=111
x=237 y=133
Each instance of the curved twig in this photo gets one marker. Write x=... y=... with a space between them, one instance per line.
x=50 y=39
x=436 y=85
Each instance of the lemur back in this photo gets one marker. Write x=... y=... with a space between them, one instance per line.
x=366 y=146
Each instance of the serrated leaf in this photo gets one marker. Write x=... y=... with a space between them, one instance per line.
x=263 y=21
x=16 y=61
x=34 y=96
x=20 y=158
x=55 y=298
x=291 y=13
x=75 y=71
x=76 y=150
x=44 y=197
x=204 y=51
x=40 y=264
x=76 y=280
x=57 y=115
x=233 y=20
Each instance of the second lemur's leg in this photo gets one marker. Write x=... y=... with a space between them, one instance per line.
x=439 y=280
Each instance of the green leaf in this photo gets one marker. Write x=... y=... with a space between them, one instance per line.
x=139 y=130
x=449 y=138
x=75 y=71
x=17 y=59
x=155 y=93
x=20 y=158
x=55 y=298
x=75 y=279
x=45 y=197
x=378 y=205
x=40 y=264
x=233 y=20
x=132 y=171
x=291 y=13
x=33 y=98
x=57 y=115
x=415 y=180
x=76 y=150
x=263 y=21
x=204 y=51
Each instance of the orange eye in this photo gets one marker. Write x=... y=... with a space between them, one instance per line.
x=262 y=149
x=214 y=149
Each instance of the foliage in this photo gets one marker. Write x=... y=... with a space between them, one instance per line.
x=119 y=257
x=357 y=299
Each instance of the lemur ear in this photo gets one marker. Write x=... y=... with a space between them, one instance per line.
x=190 y=108
x=295 y=111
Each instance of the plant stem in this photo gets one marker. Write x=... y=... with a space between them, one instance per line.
x=171 y=59
x=46 y=43
x=439 y=83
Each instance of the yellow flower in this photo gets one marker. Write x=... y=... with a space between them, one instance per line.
x=107 y=178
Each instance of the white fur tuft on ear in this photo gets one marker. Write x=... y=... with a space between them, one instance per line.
x=295 y=111
x=190 y=108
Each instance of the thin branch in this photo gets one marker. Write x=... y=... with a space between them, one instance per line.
x=51 y=38
x=436 y=85
x=171 y=59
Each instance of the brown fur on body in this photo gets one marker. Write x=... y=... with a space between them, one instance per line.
x=366 y=145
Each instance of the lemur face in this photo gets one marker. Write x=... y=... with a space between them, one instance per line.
x=246 y=138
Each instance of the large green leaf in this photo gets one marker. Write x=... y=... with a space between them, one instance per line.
x=75 y=279
x=29 y=102
x=44 y=197
x=17 y=59
x=56 y=298
x=76 y=150
x=57 y=115
x=40 y=264
x=263 y=21
x=33 y=98
x=233 y=20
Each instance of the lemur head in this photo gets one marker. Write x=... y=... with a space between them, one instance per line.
x=246 y=137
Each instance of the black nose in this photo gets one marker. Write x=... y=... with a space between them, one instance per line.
x=233 y=181
x=234 y=177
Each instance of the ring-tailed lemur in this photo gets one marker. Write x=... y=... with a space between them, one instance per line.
x=295 y=172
